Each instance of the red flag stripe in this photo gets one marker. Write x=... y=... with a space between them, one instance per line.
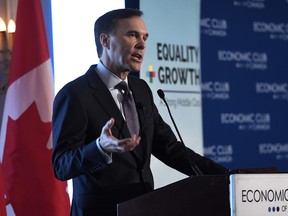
x=30 y=35
x=2 y=200
x=29 y=183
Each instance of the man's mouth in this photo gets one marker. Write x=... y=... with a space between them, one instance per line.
x=137 y=57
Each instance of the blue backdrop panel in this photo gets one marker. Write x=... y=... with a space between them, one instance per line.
x=244 y=64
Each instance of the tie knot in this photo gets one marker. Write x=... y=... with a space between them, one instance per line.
x=123 y=88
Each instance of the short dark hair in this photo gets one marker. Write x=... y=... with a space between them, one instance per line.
x=107 y=23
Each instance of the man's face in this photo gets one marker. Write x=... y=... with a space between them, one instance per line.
x=127 y=45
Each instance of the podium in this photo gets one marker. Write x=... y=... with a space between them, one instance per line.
x=197 y=195
x=241 y=189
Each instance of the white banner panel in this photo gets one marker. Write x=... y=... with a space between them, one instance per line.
x=172 y=63
x=259 y=194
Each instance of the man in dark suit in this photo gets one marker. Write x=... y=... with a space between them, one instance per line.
x=93 y=143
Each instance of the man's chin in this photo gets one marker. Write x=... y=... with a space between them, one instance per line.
x=136 y=69
x=135 y=66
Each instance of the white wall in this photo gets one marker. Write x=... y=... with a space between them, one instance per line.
x=73 y=35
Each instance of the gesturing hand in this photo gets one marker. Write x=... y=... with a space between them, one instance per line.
x=111 y=144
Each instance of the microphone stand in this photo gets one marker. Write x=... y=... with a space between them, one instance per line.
x=194 y=167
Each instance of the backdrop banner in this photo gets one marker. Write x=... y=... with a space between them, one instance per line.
x=172 y=63
x=244 y=67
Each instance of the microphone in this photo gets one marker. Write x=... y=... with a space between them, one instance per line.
x=194 y=167
x=140 y=106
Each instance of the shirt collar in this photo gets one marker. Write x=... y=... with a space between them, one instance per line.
x=109 y=79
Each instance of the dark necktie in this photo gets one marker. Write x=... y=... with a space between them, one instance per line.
x=129 y=108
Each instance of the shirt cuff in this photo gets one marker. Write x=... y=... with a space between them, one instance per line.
x=107 y=157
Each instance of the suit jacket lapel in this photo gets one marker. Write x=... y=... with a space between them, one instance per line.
x=104 y=98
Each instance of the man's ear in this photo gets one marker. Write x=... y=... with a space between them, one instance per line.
x=104 y=39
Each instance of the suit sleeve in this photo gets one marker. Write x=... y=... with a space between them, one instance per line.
x=72 y=155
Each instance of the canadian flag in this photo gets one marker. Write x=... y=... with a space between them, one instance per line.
x=2 y=200
x=25 y=139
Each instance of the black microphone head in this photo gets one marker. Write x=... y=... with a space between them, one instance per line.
x=161 y=94
x=140 y=106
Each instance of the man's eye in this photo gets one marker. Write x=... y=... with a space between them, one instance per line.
x=132 y=35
